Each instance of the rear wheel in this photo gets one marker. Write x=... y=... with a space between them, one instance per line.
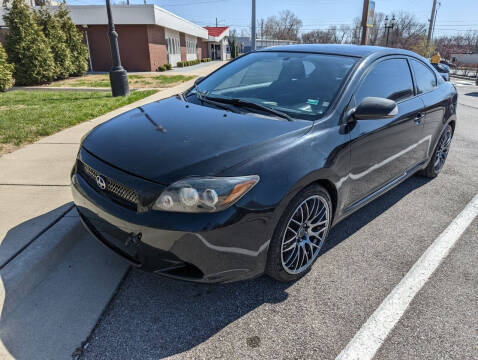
x=439 y=155
x=300 y=234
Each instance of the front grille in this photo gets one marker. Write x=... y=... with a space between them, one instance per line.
x=113 y=189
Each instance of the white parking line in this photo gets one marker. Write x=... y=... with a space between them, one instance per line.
x=462 y=83
x=373 y=333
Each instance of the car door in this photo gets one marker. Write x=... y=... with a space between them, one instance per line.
x=384 y=149
x=436 y=102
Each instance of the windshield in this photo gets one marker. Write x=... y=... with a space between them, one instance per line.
x=302 y=85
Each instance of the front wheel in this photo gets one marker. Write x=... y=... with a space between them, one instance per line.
x=439 y=155
x=300 y=234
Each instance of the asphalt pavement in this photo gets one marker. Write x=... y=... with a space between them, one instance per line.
x=365 y=257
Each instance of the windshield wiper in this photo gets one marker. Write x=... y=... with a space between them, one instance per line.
x=204 y=98
x=251 y=104
x=181 y=97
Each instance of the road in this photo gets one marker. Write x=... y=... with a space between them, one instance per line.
x=366 y=256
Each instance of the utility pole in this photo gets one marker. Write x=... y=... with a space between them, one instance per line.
x=364 y=39
x=430 y=26
x=216 y=22
x=118 y=75
x=253 y=26
x=435 y=20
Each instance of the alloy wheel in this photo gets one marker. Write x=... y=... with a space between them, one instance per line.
x=305 y=234
x=442 y=150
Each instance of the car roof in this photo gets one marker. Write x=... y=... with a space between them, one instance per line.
x=341 y=49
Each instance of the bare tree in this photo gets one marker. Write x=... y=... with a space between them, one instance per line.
x=284 y=27
x=336 y=35
x=245 y=33
x=466 y=42
x=408 y=31
x=317 y=37
x=344 y=34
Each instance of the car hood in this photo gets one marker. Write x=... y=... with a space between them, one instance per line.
x=170 y=139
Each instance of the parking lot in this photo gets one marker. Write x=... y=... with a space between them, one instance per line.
x=366 y=256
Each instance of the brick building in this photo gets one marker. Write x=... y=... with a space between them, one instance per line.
x=148 y=36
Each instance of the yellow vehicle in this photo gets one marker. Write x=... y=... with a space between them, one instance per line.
x=435 y=59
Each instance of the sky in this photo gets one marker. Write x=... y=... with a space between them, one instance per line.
x=454 y=16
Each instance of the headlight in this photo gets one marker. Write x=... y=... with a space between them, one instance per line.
x=208 y=194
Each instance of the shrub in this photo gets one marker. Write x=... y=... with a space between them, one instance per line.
x=26 y=45
x=168 y=66
x=6 y=71
x=192 y=62
x=188 y=63
x=74 y=41
x=161 y=68
x=51 y=28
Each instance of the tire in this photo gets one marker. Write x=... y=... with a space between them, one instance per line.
x=440 y=154
x=298 y=238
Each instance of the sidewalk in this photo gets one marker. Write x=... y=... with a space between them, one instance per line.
x=35 y=179
x=200 y=69
x=55 y=279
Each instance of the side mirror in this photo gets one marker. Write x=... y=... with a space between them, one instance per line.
x=198 y=80
x=373 y=108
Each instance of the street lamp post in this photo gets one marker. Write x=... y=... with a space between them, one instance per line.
x=253 y=26
x=118 y=75
x=388 y=26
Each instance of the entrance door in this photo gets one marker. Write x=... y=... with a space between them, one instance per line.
x=215 y=52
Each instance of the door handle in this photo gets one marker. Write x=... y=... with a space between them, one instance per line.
x=418 y=118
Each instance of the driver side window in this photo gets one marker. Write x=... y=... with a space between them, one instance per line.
x=390 y=79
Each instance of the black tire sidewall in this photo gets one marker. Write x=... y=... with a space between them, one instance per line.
x=429 y=171
x=274 y=266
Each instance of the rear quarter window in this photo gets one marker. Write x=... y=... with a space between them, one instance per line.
x=424 y=77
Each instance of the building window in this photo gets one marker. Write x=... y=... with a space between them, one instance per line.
x=191 y=46
x=172 y=45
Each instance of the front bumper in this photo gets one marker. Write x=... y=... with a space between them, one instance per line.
x=219 y=247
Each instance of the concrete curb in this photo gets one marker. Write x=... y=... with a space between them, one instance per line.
x=62 y=305
x=34 y=263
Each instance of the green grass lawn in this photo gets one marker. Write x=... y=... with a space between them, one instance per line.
x=25 y=116
x=135 y=81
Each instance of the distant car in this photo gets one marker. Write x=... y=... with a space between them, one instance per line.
x=246 y=172
x=444 y=70
x=447 y=63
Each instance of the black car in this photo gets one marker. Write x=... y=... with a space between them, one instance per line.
x=443 y=70
x=247 y=172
